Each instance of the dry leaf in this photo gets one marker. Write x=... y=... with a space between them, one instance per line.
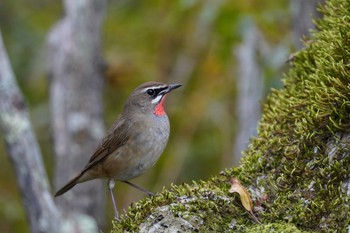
x=237 y=187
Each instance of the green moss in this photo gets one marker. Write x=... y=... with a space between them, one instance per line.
x=302 y=124
x=274 y=227
x=196 y=204
x=297 y=167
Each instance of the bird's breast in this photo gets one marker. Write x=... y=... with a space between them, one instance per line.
x=149 y=143
x=147 y=140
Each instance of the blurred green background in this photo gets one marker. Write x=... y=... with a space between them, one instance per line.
x=143 y=41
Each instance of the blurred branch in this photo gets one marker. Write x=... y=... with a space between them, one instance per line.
x=250 y=86
x=25 y=156
x=76 y=69
x=302 y=14
x=24 y=152
x=197 y=42
x=185 y=65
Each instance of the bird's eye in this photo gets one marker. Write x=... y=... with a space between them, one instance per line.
x=151 y=92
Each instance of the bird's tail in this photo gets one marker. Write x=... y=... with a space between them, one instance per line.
x=68 y=186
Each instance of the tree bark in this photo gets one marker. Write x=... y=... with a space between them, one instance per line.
x=302 y=14
x=24 y=152
x=250 y=87
x=76 y=69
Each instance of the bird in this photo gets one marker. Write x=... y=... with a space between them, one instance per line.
x=134 y=142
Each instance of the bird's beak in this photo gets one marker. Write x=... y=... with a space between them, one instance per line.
x=171 y=87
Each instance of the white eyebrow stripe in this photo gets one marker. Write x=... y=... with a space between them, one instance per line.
x=154 y=87
x=156 y=100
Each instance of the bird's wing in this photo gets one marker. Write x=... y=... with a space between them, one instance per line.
x=117 y=136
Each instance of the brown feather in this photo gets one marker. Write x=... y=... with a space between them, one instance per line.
x=116 y=138
x=68 y=186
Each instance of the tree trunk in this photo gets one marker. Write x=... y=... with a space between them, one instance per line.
x=24 y=152
x=76 y=69
x=250 y=87
x=302 y=14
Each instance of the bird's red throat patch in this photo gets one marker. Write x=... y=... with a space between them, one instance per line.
x=159 y=109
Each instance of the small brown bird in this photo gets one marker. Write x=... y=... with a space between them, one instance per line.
x=134 y=143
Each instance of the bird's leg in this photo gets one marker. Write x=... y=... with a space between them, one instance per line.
x=111 y=184
x=139 y=188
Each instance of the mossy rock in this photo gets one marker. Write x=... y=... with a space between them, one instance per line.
x=296 y=169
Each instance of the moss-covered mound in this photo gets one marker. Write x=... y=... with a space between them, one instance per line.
x=301 y=156
x=297 y=168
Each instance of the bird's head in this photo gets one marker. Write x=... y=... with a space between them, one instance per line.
x=149 y=98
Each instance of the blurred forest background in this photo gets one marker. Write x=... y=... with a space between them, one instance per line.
x=227 y=54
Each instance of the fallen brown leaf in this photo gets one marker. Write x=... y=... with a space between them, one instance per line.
x=237 y=187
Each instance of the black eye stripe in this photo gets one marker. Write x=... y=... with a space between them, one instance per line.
x=156 y=90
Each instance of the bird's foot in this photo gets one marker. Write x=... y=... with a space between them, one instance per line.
x=150 y=194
